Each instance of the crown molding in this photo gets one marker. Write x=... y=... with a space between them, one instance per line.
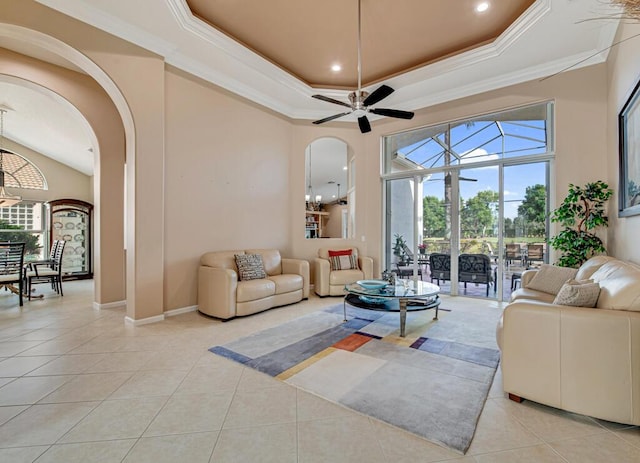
x=190 y=44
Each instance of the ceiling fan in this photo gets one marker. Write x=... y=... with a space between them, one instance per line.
x=360 y=102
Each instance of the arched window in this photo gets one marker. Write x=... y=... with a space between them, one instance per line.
x=21 y=173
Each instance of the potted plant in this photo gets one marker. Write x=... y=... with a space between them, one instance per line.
x=398 y=247
x=422 y=248
x=581 y=213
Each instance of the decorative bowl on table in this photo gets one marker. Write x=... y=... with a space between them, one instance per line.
x=372 y=284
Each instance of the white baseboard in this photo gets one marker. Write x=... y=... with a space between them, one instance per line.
x=143 y=321
x=110 y=305
x=174 y=312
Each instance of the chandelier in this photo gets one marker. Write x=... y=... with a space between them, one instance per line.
x=6 y=199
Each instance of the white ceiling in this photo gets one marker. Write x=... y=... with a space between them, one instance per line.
x=551 y=36
x=46 y=123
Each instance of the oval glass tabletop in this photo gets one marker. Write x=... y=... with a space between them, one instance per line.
x=402 y=289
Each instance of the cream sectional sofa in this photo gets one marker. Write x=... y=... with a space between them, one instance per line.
x=222 y=295
x=584 y=360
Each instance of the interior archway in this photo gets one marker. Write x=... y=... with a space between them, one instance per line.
x=104 y=245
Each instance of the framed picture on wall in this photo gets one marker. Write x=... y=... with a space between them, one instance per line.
x=629 y=142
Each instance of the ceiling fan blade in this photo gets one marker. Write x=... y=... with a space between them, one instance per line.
x=378 y=94
x=363 y=122
x=392 y=113
x=330 y=118
x=330 y=100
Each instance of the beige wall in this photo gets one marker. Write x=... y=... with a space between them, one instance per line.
x=62 y=181
x=227 y=180
x=623 y=74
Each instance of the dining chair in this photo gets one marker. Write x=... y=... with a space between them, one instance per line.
x=11 y=265
x=42 y=272
x=52 y=253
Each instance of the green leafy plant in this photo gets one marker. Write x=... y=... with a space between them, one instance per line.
x=17 y=234
x=398 y=247
x=581 y=213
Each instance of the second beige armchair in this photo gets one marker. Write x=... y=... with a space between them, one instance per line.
x=330 y=281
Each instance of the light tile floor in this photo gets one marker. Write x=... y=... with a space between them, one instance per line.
x=78 y=385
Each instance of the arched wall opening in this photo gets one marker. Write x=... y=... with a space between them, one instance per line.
x=103 y=105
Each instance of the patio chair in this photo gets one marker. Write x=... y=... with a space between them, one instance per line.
x=476 y=268
x=535 y=253
x=440 y=267
x=405 y=269
x=513 y=252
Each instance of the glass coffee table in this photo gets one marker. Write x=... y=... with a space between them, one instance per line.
x=411 y=296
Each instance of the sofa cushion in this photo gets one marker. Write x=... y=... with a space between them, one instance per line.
x=250 y=267
x=588 y=268
x=550 y=278
x=287 y=283
x=619 y=286
x=250 y=290
x=345 y=277
x=578 y=293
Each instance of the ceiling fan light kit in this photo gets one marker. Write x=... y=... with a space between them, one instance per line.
x=360 y=101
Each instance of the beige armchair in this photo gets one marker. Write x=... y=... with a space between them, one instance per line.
x=331 y=283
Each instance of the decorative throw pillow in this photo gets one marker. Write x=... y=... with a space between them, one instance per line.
x=250 y=266
x=578 y=293
x=343 y=260
x=550 y=278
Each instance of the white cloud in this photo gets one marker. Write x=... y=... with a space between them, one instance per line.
x=478 y=155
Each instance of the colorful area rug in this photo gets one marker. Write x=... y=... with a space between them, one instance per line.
x=433 y=382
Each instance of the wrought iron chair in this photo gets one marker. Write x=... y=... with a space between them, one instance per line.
x=11 y=265
x=440 y=267
x=476 y=268
x=42 y=272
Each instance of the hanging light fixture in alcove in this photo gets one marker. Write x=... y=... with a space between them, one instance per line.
x=313 y=202
x=6 y=199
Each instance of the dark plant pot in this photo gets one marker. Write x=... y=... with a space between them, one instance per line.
x=422 y=251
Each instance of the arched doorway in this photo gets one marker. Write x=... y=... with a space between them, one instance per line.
x=115 y=137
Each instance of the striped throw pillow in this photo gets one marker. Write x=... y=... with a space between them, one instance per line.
x=343 y=260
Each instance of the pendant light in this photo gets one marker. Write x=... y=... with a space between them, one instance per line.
x=6 y=199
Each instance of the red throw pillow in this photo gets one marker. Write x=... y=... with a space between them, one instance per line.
x=342 y=252
x=343 y=260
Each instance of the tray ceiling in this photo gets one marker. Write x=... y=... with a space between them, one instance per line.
x=307 y=37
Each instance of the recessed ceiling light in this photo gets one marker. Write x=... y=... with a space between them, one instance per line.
x=344 y=168
x=336 y=68
x=482 y=7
